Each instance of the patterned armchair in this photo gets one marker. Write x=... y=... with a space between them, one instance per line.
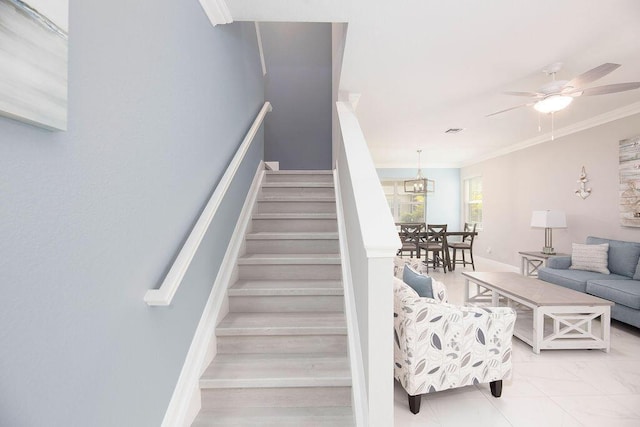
x=439 y=346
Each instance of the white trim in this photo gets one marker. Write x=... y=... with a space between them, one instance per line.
x=167 y=290
x=217 y=11
x=373 y=210
x=358 y=380
x=259 y=37
x=601 y=119
x=185 y=401
x=272 y=166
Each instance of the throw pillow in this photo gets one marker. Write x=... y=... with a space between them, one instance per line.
x=590 y=257
x=418 y=282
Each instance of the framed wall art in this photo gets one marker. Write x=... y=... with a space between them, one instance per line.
x=33 y=61
x=630 y=182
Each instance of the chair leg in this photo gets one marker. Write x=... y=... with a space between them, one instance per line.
x=471 y=255
x=414 y=403
x=496 y=390
x=453 y=265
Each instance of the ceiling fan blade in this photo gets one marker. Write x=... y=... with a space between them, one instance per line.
x=509 y=109
x=618 y=87
x=529 y=94
x=593 y=75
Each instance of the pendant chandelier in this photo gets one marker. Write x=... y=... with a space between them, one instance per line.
x=420 y=184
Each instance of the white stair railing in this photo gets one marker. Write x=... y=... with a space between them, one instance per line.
x=164 y=295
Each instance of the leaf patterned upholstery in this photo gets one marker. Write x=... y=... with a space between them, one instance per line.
x=439 y=346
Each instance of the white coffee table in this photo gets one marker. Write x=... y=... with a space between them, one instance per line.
x=549 y=316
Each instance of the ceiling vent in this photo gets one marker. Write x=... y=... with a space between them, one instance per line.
x=454 y=130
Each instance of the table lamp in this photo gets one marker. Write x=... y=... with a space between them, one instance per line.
x=548 y=220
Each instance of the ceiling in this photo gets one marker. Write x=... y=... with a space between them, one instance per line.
x=424 y=66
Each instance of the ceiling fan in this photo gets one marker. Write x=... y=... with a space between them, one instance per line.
x=558 y=94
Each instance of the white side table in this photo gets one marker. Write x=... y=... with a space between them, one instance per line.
x=531 y=261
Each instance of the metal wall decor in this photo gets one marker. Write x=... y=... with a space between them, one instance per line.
x=583 y=192
x=630 y=182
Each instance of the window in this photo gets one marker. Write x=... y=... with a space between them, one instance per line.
x=405 y=207
x=473 y=201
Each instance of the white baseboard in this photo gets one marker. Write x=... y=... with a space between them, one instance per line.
x=272 y=166
x=358 y=381
x=185 y=401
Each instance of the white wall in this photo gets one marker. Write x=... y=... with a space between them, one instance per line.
x=544 y=177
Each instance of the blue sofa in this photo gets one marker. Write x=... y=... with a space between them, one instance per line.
x=622 y=286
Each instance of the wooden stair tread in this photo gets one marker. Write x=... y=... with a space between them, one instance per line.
x=277 y=370
x=296 y=184
x=288 y=259
x=286 y=287
x=334 y=416
x=304 y=323
x=295 y=198
x=299 y=235
x=296 y=215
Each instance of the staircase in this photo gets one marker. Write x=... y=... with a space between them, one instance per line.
x=282 y=349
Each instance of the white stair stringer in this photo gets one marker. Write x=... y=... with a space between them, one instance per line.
x=282 y=349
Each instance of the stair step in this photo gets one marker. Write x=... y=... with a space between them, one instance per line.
x=279 y=344
x=299 y=175
x=271 y=205
x=301 y=172
x=333 y=416
x=286 y=303
x=297 y=184
x=296 y=198
x=310 y=323
x=277 y=370
x=275 y=397
x=284 y=271
x=288 y=259
x=297 y=242
x=294 y=223
x=295 y=215
x=286 y=287
x=283 y=235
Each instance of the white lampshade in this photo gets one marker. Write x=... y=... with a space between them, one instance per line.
x=548 y=219
x=553 y=103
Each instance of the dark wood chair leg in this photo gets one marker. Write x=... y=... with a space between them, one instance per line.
x=453 y=264
x=471 y=255
x=496 y=388
x=414 y=403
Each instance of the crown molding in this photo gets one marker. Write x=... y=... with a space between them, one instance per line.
x=217 y=11
x=601 y=119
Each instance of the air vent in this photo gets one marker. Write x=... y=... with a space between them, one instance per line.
x=454 y=130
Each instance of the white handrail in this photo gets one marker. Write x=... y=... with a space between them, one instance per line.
x=171 y=283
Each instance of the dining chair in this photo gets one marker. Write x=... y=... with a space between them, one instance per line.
x=465 y=245
x=410 y=237
x=436 y=242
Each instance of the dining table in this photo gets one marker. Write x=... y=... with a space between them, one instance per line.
x=423 y=235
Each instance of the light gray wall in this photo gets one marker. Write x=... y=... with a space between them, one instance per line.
x=545 y=177
x=298 y=84
x=443 y=205
x=92 y=218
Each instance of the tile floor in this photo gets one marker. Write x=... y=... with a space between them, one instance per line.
x=555 y=388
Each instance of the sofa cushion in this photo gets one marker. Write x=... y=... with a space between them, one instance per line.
x=418 y=282
x=625 y=292
x=623 y=256
x=574 y=279
x=590 y=257
x=636 y=276
x=559 y=262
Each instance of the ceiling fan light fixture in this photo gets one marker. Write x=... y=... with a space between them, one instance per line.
x=553 y=103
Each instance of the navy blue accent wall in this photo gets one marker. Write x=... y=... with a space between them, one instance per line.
x=298 y=84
